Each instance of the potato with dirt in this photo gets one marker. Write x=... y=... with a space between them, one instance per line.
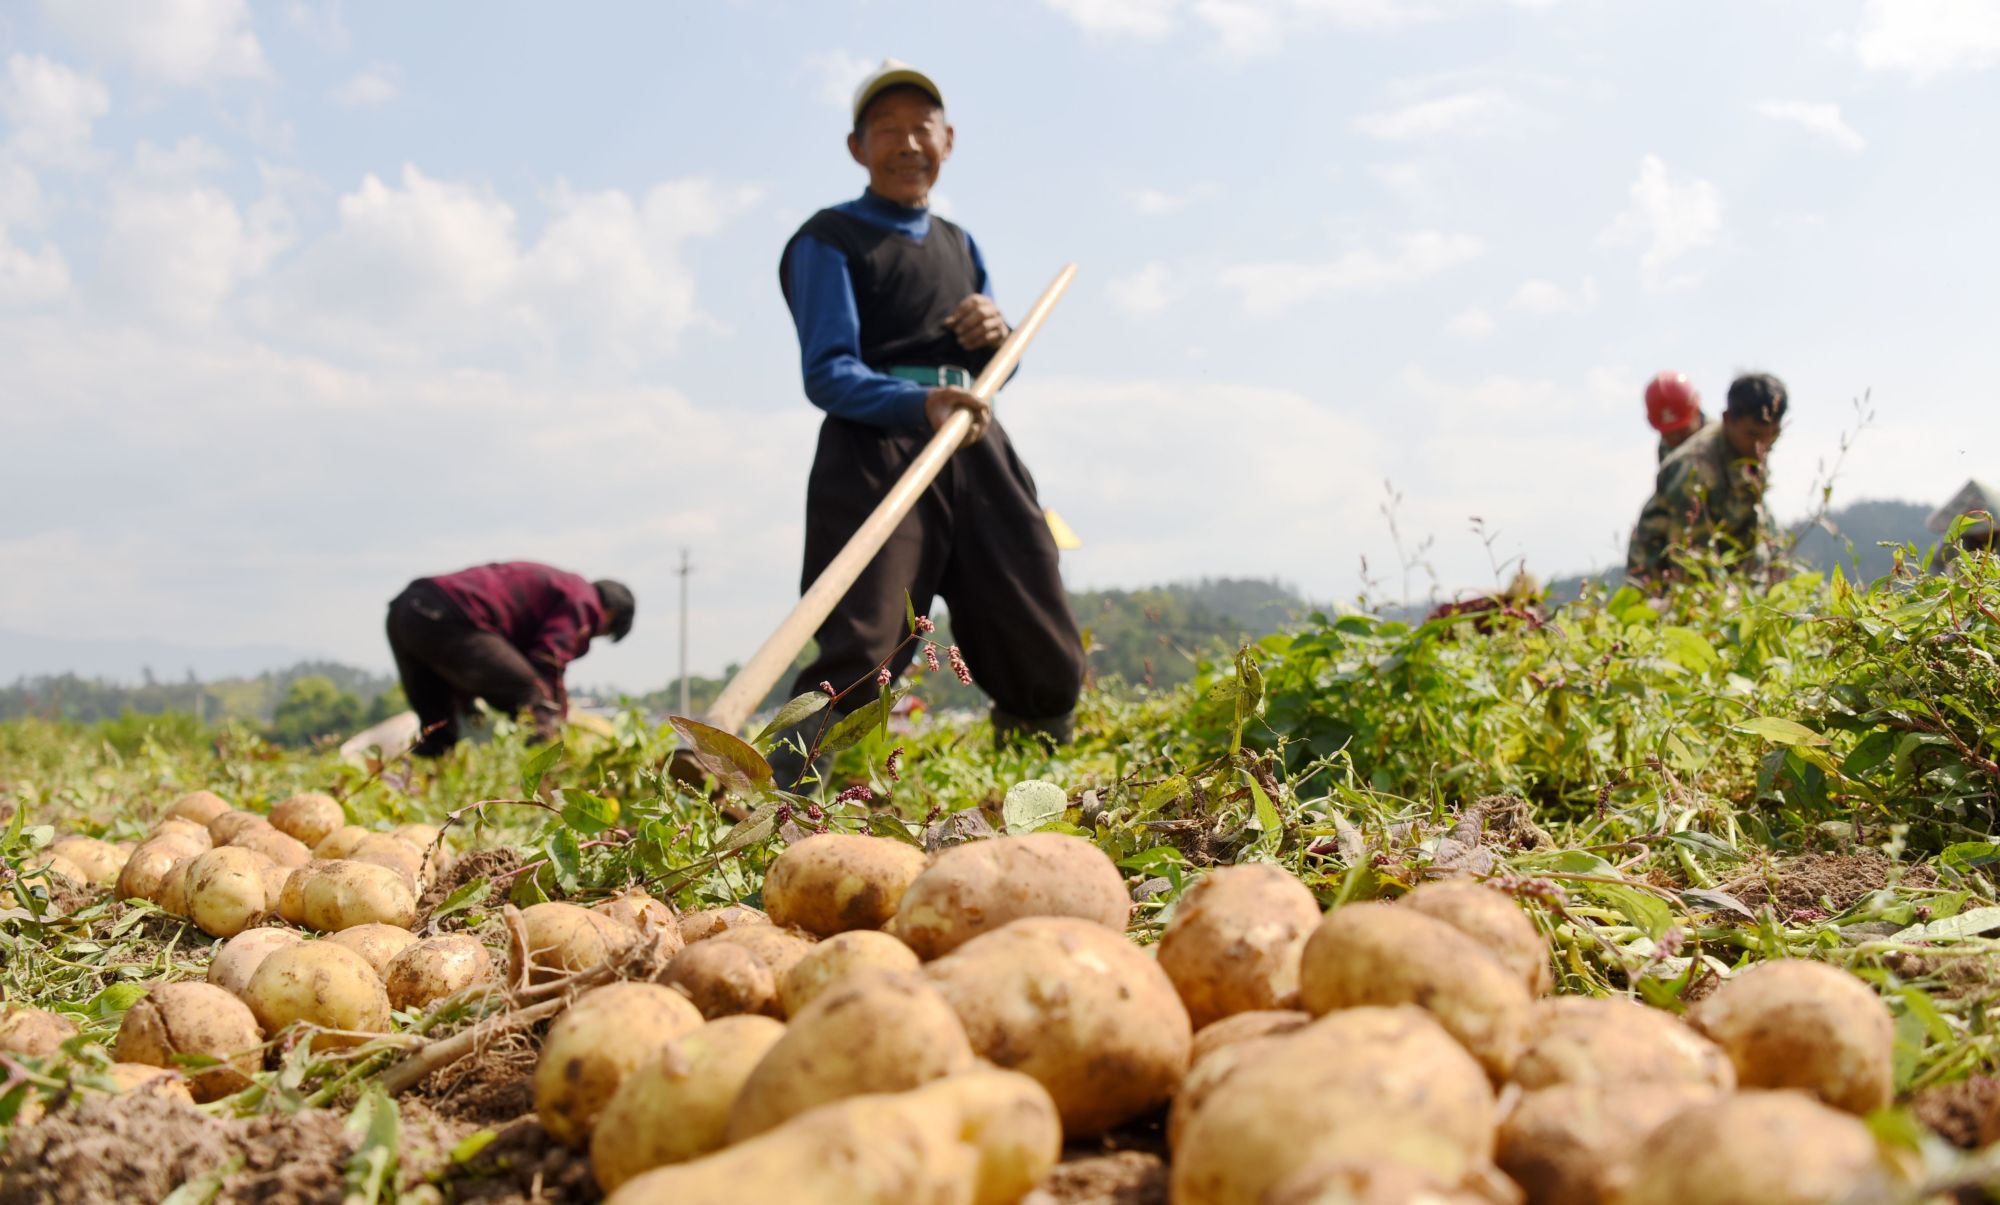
x=396 y=854
x=238 y=958
x=1798 y=1024
x=724 y=980
x=1074 y=1004
x=147 y=867
x=331 y=896
x=378 y=943
x=100 y=861
x=982 y=1138
x=224 y=828
x=675 y=1106
x=308 y=817
x=980 y=886
x=197 y=807
x=171 y=895
x=595 y=1044
x=1575 y=1143
x=833 y=882
x=1382 y=955
x=1362 y=1084
x=35 y=1032
x=194 y=1019
x=57 y=865
x=1493 y=919
x=837 y=959
x=563 y=939
x=1264 y=1023
x=705 y=923
x=320 y=984
x=644 y=915
x=226 y=891
x=1234 y=942
x=1375 y=1182
x=778 y=949
x=284 y=850
x=1593 y=1040
x=340 y=842
x=154 y=1081
x=881 y=1031
x=434 y=968
x=1759 y=1148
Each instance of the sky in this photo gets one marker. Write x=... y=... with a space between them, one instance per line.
x=302 y=300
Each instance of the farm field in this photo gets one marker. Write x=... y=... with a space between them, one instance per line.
x=1756 y=826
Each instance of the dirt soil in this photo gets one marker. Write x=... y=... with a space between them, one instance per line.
x=491 y=1087
x=480 y=864
x=522 y=1166
x=1962 y=1113
x=1125 y=1178
x=112 y=1151
x=1809 y=882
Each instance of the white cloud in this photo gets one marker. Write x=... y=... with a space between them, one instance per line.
x=1474 y=323
x=1153 y=203
x=50 y=110
x=1239 y=28
x=1545 y=297
x=1272 y=287
x=1673 y=218
x=839 y=74
x=189 y=159
x=1142 y=18
x=182 y=42
x=21 y=200
x=31 y=278
x=181 y=252
x=378 y=85
x=1822 y=121
x=1144 y=293
x=1477 y=113
x=1926 y=39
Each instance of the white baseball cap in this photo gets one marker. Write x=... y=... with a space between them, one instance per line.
x=892 y=73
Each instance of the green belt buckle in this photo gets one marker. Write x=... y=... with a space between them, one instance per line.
x=942 y=376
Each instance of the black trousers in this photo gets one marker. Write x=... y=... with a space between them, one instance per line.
x=978 y=540
x=445 y=663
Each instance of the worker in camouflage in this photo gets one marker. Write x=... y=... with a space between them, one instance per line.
x=1709 y=496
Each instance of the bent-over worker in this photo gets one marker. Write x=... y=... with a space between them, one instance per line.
x=504 y=633
x=895 y=319
x=1709 y=496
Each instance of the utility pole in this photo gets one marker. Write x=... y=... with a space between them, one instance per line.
x=683 y=572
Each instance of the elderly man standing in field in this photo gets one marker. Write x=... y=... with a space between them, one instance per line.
x=895 y=319
x=504 y=633
x=1709 y=497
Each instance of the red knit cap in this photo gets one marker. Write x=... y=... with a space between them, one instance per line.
x=1672 y=403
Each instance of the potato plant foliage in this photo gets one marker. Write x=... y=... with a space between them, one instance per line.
x=1645 y=778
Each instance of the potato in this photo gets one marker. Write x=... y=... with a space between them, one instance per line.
x=1264 y=1023
x=1078 y=1007
x=226 y=893
x=238 y=958
x=595 y=1043
x=1758 y=1148
x=35 y=1032
x=881 y=1031
x=434 y=968
x=176 y=826
x=56 y=864
x=833 y=882
x=146 y=869
x=980 y=886
x=321 y=984
x=982 y=1138
x=1234 y=942
x=563 y=939
x=340 y=895
x=340 y=842
x=284 y=850
x=724 y=980
x=100 y=861
x=836 y=959
x=172 y=893
x=675 y=1106
x=641 y=912
x=1362 y=1084
x=225 y=827
x=1370 y=1182
x=378 y=943
x=1205 y=1076
x=423 y=836
x=706 y=923
x=309 y=818
x=1798 y=1024
x=383 y=850
x=198 y=807
x=1493 y=919
x=1574 y=1144
x=1585 y=1040
x=779 y=949
x=154 y=1081
x=1387 y=954
x=274 y=878
x=194 y=1019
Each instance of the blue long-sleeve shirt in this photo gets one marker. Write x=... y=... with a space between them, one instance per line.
x=821 y=293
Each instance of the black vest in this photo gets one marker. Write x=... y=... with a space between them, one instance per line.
x=903 y=289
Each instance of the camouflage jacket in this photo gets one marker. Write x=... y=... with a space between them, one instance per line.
x=1704 y=498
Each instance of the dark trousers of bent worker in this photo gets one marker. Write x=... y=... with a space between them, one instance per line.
x=978 y=540
x=445 y=663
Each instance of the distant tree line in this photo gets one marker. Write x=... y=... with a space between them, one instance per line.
x=292 y=706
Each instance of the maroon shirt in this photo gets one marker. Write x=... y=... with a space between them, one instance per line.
x=547 y=614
